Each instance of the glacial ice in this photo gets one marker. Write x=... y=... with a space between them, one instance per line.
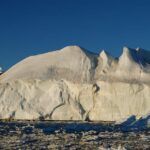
x=75 y=84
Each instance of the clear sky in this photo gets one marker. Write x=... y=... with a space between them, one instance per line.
x=29 y=27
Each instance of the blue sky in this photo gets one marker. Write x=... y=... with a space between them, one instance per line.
x=29 y=27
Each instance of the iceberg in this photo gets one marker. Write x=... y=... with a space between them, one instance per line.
x=76 y=84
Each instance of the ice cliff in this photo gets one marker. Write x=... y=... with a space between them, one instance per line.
x=75 y=84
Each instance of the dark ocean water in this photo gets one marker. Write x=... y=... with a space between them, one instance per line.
x=71 y=135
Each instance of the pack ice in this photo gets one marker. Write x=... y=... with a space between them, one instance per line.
x=75 y=84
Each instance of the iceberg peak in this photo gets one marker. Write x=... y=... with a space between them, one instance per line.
x=103 y=54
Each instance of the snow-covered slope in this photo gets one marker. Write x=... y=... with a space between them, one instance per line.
x=71 y=63
x=74 y=84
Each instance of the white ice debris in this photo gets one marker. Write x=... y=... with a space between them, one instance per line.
x=74 y=84
x=1 y=70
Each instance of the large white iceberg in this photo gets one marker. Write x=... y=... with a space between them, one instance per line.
x=75 y=84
